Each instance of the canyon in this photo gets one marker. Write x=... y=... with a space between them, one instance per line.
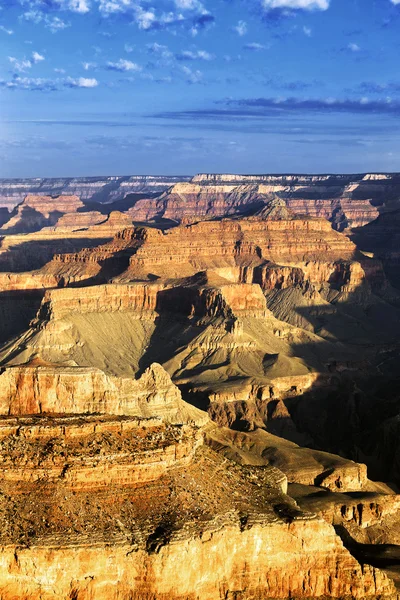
x=199 y=393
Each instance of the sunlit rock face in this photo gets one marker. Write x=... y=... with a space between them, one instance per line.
x=97 y=189
x=344 y=200
x=193 y=409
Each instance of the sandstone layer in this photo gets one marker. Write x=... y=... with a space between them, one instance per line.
x=153 y=516
x=199 y=413
x=96 y=189
x=345 y=200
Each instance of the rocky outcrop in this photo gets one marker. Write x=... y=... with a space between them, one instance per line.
x=223 y=244
x=107 y=488
x=26 y=281
x=133 y=450
x=138 y=298
x=38 y=572
x=107 y=508
x=36 y=212
x=78 y=390
x=94 y=189
x=79 y=220
x=345 y=200
x=186 y=200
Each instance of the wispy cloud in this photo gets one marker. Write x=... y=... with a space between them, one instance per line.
x=22 y=65
x=295 y=4
x=372 y=87
x=274 y=12
x=53 y=23
x=241 y=28
x=5 y=30
x=123 y=66
x=89 y=65
x=36 y=57
x=81 y=82
x=194 y=55
x=353 y=47
x=192 y=76
x=42 y=84
x=260 y=108
x=159 y=50
x=254 y=47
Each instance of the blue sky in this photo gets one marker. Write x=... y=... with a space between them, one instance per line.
x=117 y=87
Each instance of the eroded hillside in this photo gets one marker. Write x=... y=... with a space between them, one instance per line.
x=201 y=412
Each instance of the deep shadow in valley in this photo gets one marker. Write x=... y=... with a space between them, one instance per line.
x=35 y=254
x=17 y=309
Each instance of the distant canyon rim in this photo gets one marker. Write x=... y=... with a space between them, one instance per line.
x=200 y=387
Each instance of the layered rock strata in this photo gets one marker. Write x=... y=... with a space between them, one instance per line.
x=100 y=189
x=116 y=524
x=36 y=212
x=114 y=485
x=345 y=200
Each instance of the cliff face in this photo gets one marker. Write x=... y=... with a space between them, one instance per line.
x=345 y=200
x=238 y=244
x=129 y=500
x=175 y=421
x=73 y=390
x=381 y=239
x=36 y=212
x=96 y=189
x=277 y=575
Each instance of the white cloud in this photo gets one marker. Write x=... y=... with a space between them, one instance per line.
x=53 y=23
x=159 y=49
x=255 y=46
x=195 y=55
x=79 y=6
x=241 y=28
x=82 y=82
x=123 y=65
x=36 y=57
x=189 y=5
x=45 y=84
x=192 y=76
x=20 y=65
x=355 y=47
x=28 y=83
x=297 y=4
x=89 y=65
x=307 y=31
x=145 y=18
x=5 y=30
x=395 y=1
x=61 y=71
x=128 y=48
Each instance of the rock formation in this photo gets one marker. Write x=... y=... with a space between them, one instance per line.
x=96 y=189
x=205 y=412
x=345 y=200
x=36 y=212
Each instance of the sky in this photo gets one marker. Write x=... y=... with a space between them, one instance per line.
x=124 y=87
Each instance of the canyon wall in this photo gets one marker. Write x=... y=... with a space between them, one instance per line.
x=96 y=189
x=345 y=200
